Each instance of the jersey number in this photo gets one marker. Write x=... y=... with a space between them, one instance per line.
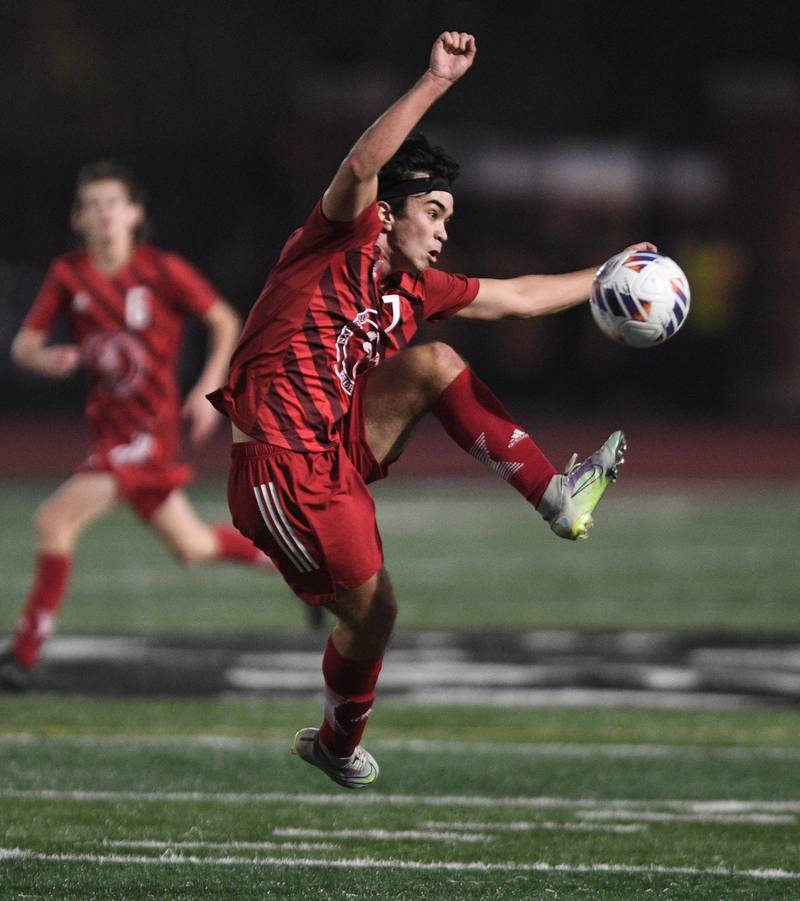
x=393 y=300
x=137 y=308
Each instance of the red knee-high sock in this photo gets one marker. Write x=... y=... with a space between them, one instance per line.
x=47 y=592
x=476 y=420
x=349 y=695
x=234 y=546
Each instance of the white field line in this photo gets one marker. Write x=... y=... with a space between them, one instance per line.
x=761 y=819
x=377 y=800
x=540 y=824
x=577 y=750
x=369 y=863
x=165 y=844
x=382 y=834
x=573 y=697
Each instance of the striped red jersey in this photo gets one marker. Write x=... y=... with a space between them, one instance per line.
x=129 y=329
x=322 y=321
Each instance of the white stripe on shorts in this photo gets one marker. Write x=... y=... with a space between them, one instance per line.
x=299 y=544
x=280 y=529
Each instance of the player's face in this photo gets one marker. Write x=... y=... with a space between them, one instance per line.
x=106 y=213
x=417 y=237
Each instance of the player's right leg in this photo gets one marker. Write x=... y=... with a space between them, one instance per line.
x=59 y=521
x=433 y=378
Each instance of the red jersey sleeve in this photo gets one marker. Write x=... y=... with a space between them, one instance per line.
x=52 y=299
x=321 y=236
x=191 y=290
x=446 y=294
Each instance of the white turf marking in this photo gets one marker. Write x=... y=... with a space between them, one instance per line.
x=163 y=844
x=541 y=824
x=382 y=834
x=762 y=819
x=376 y=800
x=578 y=750
x=574 y=697
x=369 y=863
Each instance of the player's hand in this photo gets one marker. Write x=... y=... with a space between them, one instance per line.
x=642 y=245
x=58 y=361
x=201 y=416
x=452 y=54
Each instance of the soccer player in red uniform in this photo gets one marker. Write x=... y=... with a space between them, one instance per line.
x=127 y=303
x=323 y=392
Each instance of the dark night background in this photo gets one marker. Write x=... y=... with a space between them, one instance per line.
x=581 y=128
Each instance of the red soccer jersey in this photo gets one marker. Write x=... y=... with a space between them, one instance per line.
x=129 y=330
x=323 y=319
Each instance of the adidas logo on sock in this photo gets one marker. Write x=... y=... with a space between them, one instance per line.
x=516 y=436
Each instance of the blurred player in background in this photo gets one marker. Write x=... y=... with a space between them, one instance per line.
x=127 y=302
x=323 y=393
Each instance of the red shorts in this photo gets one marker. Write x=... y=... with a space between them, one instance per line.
x=311 y=513
x=144 y=468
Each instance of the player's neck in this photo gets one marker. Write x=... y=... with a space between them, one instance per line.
x=391 y=263
x=109 y=257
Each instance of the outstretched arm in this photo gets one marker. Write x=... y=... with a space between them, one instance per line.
x=58 y=361
x=533 y=295
x=355 y=185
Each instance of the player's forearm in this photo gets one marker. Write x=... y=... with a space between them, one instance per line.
x=224 y=326
x=383 y=138
x=543 y=294
x=528 y=295
x=28 y=351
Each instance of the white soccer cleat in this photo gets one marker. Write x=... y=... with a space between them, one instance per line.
x=359 y=770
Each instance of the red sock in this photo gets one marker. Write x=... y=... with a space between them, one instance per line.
x=476 y=420
x=46 y=594
x=349 y=695
x=234 y=546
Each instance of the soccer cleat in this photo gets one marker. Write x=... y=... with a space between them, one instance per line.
x=359 y=770
x=13 y=675
x=571 y=496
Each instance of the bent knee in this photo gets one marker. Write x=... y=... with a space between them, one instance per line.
x=371 y=608
x=441 y=362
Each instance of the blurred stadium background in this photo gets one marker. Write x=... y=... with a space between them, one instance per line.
x=582 y=127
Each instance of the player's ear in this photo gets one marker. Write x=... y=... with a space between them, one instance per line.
x=137 y=215
x=386 y=215
x=75 y=222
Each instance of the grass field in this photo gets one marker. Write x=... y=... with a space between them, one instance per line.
x=193 y=799
x=199 y=798
x=466 y=554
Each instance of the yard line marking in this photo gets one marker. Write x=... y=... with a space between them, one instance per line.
x=540 y=824
x=582 y=750
x=371 y=800
x=371 y=863
x=575 y=697
x=578 y=750
x=769 y=819
x=383 y=834
x=221 y=846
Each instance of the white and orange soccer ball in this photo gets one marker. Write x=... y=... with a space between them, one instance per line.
x=640 y=298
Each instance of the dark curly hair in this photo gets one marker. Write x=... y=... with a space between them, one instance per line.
x=415 y=155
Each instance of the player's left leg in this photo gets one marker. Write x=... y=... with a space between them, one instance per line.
x=194 y=541
x=351 y=666
x=433 y=378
